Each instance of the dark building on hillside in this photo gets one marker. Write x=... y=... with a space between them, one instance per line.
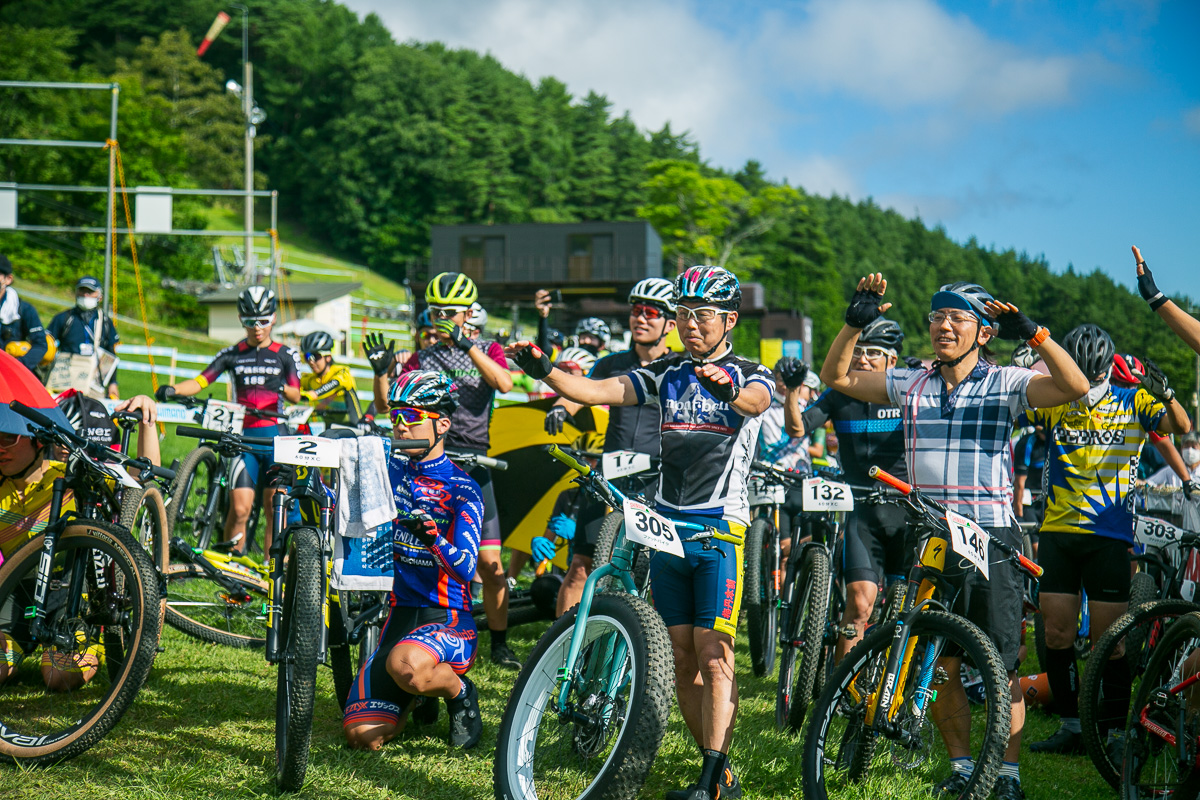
x=596 y=258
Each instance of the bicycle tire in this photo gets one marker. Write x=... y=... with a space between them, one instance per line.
x=144 y=515
x=300 y=633
x=815 y=763
x=760 y=610
x=202 y=461
x=1174 y=713
x=89 y=712
x=810 y=619
x=631 y=745
x=203 y=609
x=602 y=553
x=1095 y=721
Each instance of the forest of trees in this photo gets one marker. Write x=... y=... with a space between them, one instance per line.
x=371 y=141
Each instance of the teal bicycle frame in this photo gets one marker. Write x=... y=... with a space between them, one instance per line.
x=619 y=566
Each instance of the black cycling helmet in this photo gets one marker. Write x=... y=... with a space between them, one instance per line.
x=316 y=342
x=882 y=333
x=1092 y=349
x=256 y=301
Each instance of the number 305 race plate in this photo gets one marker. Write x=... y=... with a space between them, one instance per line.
x=823 y=495
x=307 y=451
x=644 y=526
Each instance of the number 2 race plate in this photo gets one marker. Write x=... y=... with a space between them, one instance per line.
x=823 y=495
x=644 y=526
x=1155 y=533
x=969 y=541
x=620 y=463
x=307 y=451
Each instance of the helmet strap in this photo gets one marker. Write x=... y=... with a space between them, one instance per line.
x=955 y=362
x=705 y=357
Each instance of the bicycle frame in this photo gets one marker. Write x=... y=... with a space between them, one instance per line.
x=620 y=567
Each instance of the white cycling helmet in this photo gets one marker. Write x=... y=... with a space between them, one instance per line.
x=656 y=291
x=476 y=317
x=577 y=356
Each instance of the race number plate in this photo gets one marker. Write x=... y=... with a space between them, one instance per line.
x=823 y=495
x=222 y=416
x=298 y=415
x=620 y=463
x=1155 y=533
x=762 y=493
x=307 y=451
x=969 y=541
x=645 y=526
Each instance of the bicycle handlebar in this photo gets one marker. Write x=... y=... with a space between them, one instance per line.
x=481 y=460
x=891 y=480
x=556 y=452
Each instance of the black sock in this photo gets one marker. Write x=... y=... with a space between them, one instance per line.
x=710 y=771
x=499 y=638
x=1115 y=687
x=1063 y=677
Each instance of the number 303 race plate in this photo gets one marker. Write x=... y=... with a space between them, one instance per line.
x=1155 y=533
x=646 y=527
x=969 y=540
x=307 y=451
x=823 y=495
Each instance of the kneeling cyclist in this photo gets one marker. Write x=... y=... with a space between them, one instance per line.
x=429 y=640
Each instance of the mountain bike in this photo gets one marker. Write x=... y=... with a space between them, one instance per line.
x=85 y=588
x=767 y=491
x=635 y=474
x=302 y=630
x=879 y=705
x=590 y=707
x=205 y=478
x=1162 y=735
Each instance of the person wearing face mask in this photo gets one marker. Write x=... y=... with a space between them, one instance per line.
x=1169 y=476
x=75 y=328
x=1093 y=445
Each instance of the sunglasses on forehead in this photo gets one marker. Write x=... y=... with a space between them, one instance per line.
x=411 y=416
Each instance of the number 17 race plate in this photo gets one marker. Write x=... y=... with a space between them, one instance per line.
x=307 y=451
x=644 y=526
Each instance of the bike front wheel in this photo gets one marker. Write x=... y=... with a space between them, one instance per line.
x=83 y=689
x=844 y=744
x=761 y=595
x=193 y=516
x=144 y=515
x=804 y=638
x=300 y=637
x=601 y=741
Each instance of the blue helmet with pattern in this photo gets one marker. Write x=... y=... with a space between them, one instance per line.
x=713 y=285
x=425 y=319
x=424 y=389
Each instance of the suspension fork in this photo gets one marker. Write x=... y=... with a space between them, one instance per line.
x=275 y=582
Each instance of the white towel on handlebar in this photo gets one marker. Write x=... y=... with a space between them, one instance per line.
x=366 y=496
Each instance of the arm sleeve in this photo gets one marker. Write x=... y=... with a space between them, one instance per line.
x=543 y=334
x=457 y=552
x=645 y=384
x=35 y=334
x=897 y=383
x=291 y=368
x=215 y=369
x=817 y=414
x=414 y=362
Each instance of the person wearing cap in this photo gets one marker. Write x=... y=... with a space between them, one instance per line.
x=19 y=321
x=958 y=416
x=75 y=328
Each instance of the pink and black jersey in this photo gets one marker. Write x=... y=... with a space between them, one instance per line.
x=437 y=576
x=260 y=375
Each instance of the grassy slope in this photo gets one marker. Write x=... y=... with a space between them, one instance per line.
x=203 y=727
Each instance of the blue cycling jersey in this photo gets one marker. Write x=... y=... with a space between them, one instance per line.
x=439 y=575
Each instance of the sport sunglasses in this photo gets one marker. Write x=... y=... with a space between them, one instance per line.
x=411 y=416
x=649 y=312
x=256 y=322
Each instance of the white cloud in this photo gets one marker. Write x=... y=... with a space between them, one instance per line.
x=912 y=53
x=1191 y=120
x=820 y=175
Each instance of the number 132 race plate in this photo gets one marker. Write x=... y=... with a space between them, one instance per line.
x=823 y=495
x=644 y=526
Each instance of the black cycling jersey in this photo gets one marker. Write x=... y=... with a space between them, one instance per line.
x=1029 y=459
x=629 y=427
x=869 y=434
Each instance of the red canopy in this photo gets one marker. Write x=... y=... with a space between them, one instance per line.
x=18 y=383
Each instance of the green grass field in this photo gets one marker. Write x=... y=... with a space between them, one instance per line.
x=202 y=727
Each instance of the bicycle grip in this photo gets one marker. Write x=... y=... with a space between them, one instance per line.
x=890 y=480
x=410 y=444
x=1030 y=567
x=193 y=432
x=163 y=472
x=41 y=420
x=582 y=469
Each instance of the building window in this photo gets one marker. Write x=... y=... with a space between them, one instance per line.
x=589 y=256
x=481 y=258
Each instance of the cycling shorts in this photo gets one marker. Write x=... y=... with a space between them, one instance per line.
x=449 y=635
x=250 y=465
x=996 y=605
x=1100 y=564
x=489 y=535
x=877 y=543
x=704 y=588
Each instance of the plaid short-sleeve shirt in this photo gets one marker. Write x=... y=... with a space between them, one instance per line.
x=957 y=444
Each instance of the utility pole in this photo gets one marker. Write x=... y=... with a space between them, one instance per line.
x=248 y=112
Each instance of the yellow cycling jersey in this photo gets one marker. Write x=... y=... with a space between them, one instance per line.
x=1091 y=457
x=24 y=514
x=333 y=394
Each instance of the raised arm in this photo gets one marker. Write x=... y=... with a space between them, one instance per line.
x=615 y=391
x=1154 y=381
x=1065 y=383
x=1186 y=326
x=870 y=387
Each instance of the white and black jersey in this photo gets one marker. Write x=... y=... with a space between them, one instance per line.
x=707 y=445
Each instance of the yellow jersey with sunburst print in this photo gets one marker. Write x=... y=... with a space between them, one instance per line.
x=1091 y=457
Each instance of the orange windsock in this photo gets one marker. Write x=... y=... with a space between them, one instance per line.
x=214 y=31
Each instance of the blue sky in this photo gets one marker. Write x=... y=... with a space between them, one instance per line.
x=1065 y=129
